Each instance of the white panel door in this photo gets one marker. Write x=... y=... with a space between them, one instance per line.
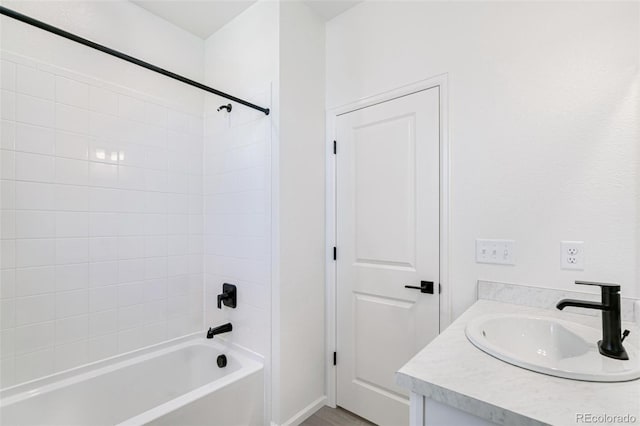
x=387 y=237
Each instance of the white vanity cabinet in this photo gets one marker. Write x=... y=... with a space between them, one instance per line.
x=427 y=412
x=452 y=382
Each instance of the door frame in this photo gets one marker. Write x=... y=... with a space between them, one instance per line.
x=440 y=81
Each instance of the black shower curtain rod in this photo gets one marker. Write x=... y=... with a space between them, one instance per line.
x=62 y=33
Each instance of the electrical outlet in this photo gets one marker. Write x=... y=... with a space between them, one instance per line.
x=572 y=255
x=499 y=252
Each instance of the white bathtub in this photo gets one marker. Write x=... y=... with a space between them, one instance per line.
x=178 y=383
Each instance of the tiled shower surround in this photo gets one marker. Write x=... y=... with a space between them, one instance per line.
x=237 y=221
x=102 y=220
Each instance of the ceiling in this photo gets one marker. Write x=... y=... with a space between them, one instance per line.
x=329 y=9
x=204 y=18
x=201 y=18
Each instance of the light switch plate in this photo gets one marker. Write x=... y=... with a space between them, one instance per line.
x=572 y=255
x=499 y=252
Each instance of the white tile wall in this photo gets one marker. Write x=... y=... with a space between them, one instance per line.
x=236 y=226
x=102 y=219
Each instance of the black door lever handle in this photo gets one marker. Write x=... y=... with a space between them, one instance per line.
x=425 y=287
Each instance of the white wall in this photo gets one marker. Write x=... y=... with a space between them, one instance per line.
x=242 y=163
x=101 y=189
x=120 y=25
x=241 y=58
x=271 y=54
x=543 y=124
x=300 y=290
x=140 y=219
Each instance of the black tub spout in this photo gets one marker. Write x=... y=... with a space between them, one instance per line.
x=224 y=328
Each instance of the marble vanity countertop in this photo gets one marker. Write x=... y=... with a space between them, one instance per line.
x=452 y=371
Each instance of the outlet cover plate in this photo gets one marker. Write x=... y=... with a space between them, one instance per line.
x=499 y=252
x=572 y=255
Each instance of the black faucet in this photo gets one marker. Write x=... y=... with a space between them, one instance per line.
x=229 y=296
x=224 y=328
x=611 y=343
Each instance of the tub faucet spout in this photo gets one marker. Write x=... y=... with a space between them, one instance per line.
x=224 y=328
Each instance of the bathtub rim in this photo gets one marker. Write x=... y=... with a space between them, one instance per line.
x=189 y=397
x=250 y=363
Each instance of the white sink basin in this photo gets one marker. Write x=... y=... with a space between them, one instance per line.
x=550 y=346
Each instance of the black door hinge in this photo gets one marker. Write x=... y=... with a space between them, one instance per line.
x=335 y=253
x=439 y=288
x=335 y=358
x=335 y=147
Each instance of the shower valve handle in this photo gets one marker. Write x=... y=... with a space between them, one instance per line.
x=229 y=296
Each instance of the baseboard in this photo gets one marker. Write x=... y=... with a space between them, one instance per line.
x=305 y=413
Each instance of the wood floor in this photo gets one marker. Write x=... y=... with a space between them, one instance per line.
x=327 y=416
